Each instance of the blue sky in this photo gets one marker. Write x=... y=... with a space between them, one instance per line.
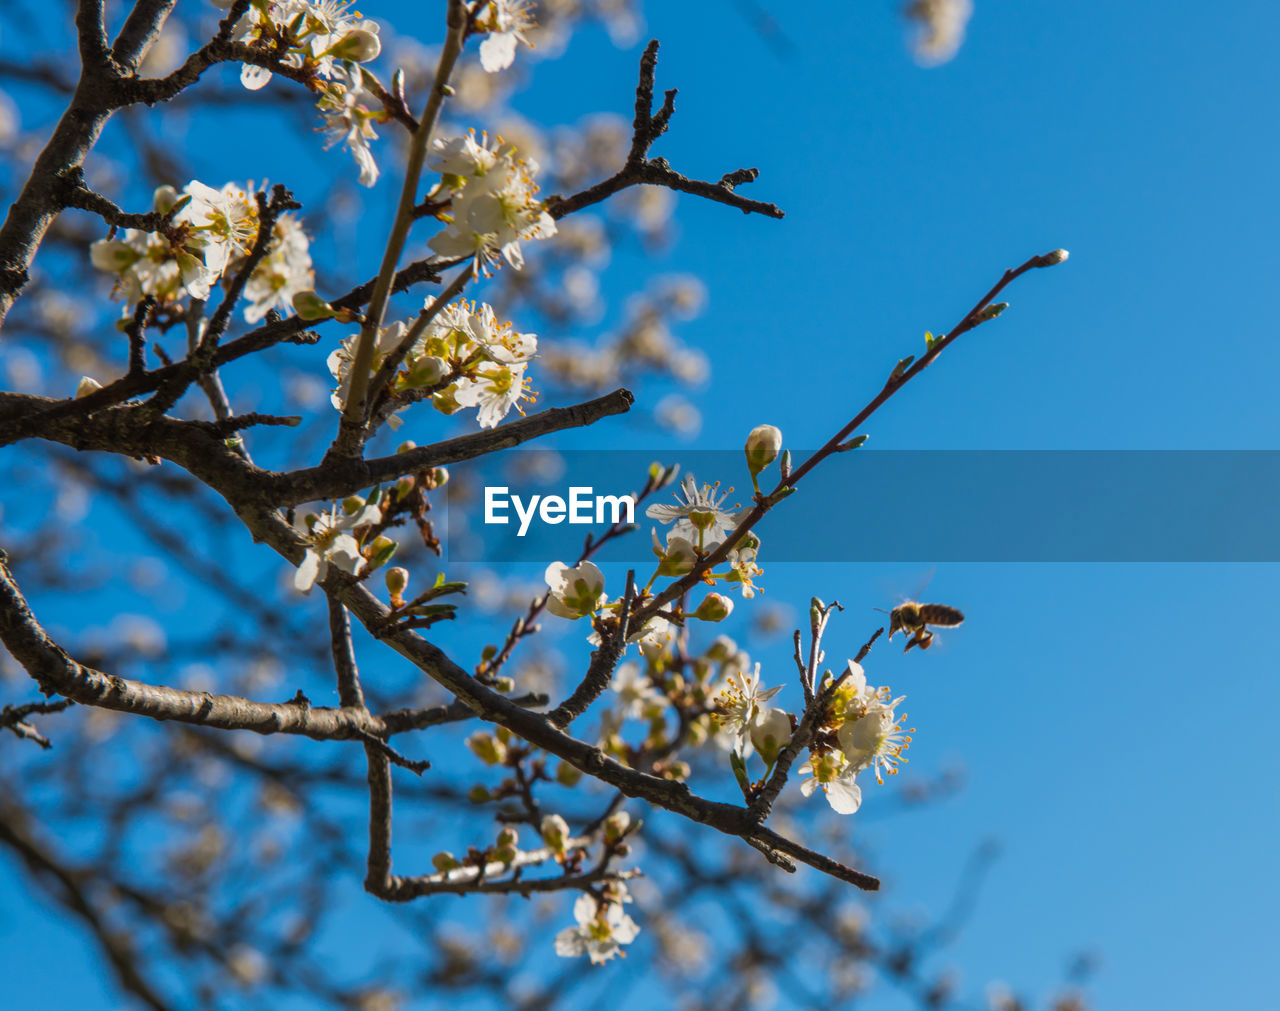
x=1112 y=719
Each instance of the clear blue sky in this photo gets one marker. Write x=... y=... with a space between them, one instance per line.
x=1115 y=720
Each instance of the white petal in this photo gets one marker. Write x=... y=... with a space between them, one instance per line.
x=497 y=52
x=307 y=572
x=254 y=78
x=844 y=795
x=570 y=943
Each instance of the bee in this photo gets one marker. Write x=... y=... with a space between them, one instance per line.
x=914 y=618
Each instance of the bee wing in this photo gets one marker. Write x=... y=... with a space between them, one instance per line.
x=922 y=583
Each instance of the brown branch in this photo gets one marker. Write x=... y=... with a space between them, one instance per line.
x=337 y=478
x=640 y=169
x=603 y=663
x=141 y=28
x=58 y=674
x=979 y=314
x=14 y=718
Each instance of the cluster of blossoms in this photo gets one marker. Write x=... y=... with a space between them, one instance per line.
x=464 y=357
x=326 y=41
x=207 y=237
x=492 y=200
x=314 y=36
x=575 y=592
x=862 y=729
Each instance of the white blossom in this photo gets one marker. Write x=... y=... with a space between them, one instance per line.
x=601 y=931
x=330 y=542
x=349 y=122
x=741 y=701
x=493 y=204
x=699 y=514
x=636 y=692
x=576 y=591
x=505 y=21
x=283 y=273
x=836 y=776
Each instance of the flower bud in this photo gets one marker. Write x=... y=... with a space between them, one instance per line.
x=427 y=371
x=397 y=581
x=677 y=558
x=359 y=46
x=770 y=733
x=615 y=827
x=310 y=306
x=487 y=748
x=113 y=256
x=380 y=551
x=405 y=446
x=1055 y=257
x=86 y=386
x=763 y=446
x=507 y=837
x=722 y=649
x=714 y=607
x=555 y=832
x=445 y=861
x=436 y=477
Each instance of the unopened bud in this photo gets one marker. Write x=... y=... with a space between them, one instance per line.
x=992 y=311
x=1055 y=257
x=427 y=371
x=770 y=733
x=404 y=447
x=112 y=255
x=397 y=581
x=615 y=827
x=359 y=46
x=380 y=552
x=555 y=832
x=763 y=446
x=714 y=607
x=487 y=748
x=445 y=861
x=677 y=558
x=86 y=386
x=436 y=477
x=310 y=306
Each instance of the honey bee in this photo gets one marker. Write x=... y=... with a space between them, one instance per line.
x=914 y=618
